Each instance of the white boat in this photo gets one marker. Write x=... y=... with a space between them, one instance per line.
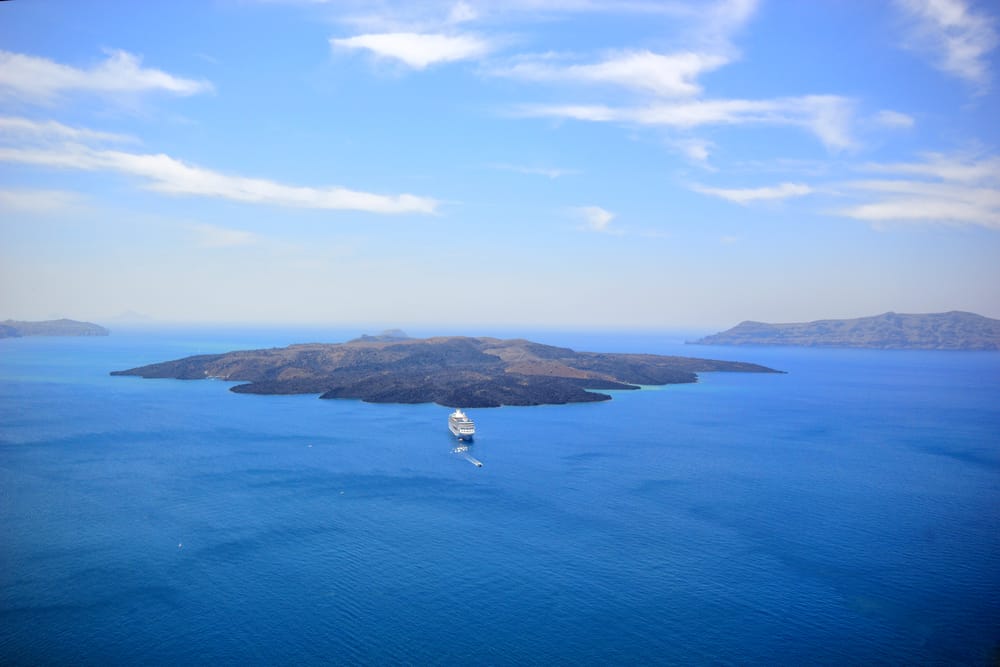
x=461 y=426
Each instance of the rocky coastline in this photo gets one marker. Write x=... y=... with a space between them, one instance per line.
x=453 y=371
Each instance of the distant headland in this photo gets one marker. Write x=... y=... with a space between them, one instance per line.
x=64 y=327
x=955 y=330
x=452 y=371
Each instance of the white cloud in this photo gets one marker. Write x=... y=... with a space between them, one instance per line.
x=462 y=12
x=702 y=25
x=696 y=150
x=623 y=6
x=946 y=190
x=945 y=168
x=894 y=119
x=14 y=126
x=212 y=236
x=38 y=201
x=744 y=196
x=938 y=188
x=387 y=14
x=827 y=116
x=915 y=204
x=595 y=113
x=958 y=37
x=418 y=50
x=595 y=218
x=548 y=172
x=35 y=79
x=171 y=176
x=724 y=18
x=664 y=75
x=710 y=19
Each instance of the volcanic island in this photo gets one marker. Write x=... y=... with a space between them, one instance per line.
x=453 y=371
x=63 y=327
x=955 y=330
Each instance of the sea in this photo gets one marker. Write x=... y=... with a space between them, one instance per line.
x=844 y=512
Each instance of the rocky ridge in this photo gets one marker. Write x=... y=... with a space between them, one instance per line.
x=955 y=330
x=63 y=327
x=452 y=371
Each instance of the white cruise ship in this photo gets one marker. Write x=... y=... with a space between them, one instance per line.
x=461 y=426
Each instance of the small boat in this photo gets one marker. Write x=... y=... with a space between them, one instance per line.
x=461 y=426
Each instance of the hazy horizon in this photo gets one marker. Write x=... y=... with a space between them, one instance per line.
x=597 y=165
x=413 y=329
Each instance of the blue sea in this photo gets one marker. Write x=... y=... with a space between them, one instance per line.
x=847 y=512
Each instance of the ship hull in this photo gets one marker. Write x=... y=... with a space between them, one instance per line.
x=461 y=426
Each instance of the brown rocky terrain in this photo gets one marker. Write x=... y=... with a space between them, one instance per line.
x=451 y=371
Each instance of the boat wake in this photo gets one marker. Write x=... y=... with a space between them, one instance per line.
x=464 y=451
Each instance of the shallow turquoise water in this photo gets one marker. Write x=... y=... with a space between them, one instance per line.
x=846 y=512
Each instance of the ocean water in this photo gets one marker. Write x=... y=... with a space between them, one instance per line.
x=847 y=512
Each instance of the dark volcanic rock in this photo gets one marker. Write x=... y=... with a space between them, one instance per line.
x=452 y=371
x=64 y=327
x=936 y=331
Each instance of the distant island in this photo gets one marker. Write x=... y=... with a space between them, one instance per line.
x=452 y=371
x=955 y=330
x=64 y=327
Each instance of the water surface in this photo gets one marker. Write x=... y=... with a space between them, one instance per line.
x=846 y=512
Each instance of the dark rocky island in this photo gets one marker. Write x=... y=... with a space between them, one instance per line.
x=955 y=330
x=451 y=371
x=17 y=329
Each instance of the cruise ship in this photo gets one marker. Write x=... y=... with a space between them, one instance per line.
x=461 y=426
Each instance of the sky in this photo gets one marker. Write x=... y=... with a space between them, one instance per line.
x=527 y=163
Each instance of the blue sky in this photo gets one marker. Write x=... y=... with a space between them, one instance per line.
x=544 y=163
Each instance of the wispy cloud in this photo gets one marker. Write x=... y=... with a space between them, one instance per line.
x=548 y=172
x=711 y=24
x=617 y=6
x=894 y=120
x=462 y=12
x=827 y=116
x=397 y=28
x=390 y=15
x=595 y=218
x=171 y=176
x=696 y=150
x=942 y=189
x=957 y=37
x=945 y=168
x=418 y=50
x=38 y=201
x=14 y=126
x=213 y=236
x=664 y=75
x=168 y=175
x=718 y=23
x=669 y=88
x=34 y=79
x=744 y=196
x=946 y=189
x=909 y=201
